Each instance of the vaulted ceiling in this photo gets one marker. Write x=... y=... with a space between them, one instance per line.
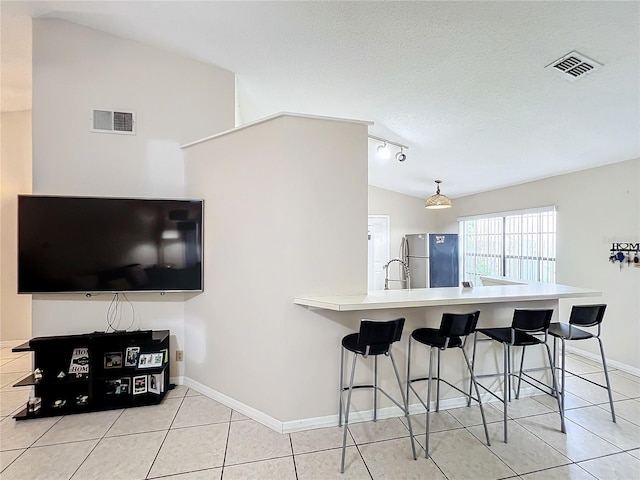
x=463 y=84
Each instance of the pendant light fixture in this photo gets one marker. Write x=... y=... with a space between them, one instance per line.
x=438 y=200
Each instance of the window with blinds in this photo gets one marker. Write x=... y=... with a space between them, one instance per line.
x=519 y=245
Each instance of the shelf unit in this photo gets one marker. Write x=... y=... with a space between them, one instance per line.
x=92 y=372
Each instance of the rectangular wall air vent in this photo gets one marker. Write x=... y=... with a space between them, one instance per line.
x=573 y=66
x=111 y=121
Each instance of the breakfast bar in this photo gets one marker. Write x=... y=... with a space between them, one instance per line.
x=496 y=300
x=449 y=296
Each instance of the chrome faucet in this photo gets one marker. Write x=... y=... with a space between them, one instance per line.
x=405 y=266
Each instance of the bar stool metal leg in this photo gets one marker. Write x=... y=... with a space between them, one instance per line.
x=475 y=384
x=346 y=413
x=375 y=389
x=340 y=410
x=520 y=373
x=438 y=384
x=606 y=376
x=405 y=403
x=473 y=365
x=505 y=387
x=563 y=370
x=559 y=398
x=408 y=372
x=561 y=390
x=426 y=440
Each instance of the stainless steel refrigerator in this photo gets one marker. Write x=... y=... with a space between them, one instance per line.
x=432 y=258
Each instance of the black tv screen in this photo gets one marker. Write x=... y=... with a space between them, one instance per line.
x=98 y=244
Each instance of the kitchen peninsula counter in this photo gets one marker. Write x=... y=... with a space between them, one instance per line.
x=496 y=300
x=431 y=297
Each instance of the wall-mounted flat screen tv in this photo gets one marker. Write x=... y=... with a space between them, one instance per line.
x=97 y=244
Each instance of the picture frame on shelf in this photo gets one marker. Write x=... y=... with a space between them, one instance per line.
x=131 y=356
x=117 y=386
x=113 y=360
x=139 y=384
x=150 y=360
x=156 y=383
x=79 y=364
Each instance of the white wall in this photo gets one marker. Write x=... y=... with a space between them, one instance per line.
x=595 y=208
x=15 y=160
x=76 y=69
x=285 y=216
x=15 y=177
x=406 y=214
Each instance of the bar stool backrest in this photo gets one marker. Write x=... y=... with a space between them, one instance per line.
x=458 y=324
x=378 y=336
x=531 y=321
x=587 y=315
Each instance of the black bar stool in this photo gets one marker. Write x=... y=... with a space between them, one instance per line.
x=582 y=316
x=453 y=332
x=525 y=325
x=374 y=338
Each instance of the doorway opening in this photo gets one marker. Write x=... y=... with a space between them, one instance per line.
x=378 y=251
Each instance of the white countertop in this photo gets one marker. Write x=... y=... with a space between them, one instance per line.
x=428 y=297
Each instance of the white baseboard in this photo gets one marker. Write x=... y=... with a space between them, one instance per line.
x=610 y=363
x=244 y=409
x=329 y=420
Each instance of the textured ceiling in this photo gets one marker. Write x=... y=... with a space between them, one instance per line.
x=463 y=84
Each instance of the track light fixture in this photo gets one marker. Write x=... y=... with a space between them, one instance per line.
x=384 y=152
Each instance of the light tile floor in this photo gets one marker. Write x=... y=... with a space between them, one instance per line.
x=191 y=437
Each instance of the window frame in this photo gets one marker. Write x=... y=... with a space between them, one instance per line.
x=526 y=241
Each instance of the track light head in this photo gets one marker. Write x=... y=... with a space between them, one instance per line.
x=383 y=151
x=401 y=156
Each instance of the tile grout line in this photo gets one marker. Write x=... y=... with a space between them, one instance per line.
x=358 y=449
x=96 y=445
x=226 y=444
x=293 y=457
x=165 y=435
x=490 y=451
x=621 y=450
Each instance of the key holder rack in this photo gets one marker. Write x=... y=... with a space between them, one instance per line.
x=628 y=253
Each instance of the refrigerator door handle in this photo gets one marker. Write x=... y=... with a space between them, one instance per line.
x=404 y=256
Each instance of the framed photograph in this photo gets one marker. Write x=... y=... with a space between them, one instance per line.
x=113 y=360
x=125 y=385
x=139 y=384
x=131 y=356
x=79 y=362
x=156 y=383
x=150 y=360
x=118 y=386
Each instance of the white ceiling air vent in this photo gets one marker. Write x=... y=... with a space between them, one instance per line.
x=111 y=121
x=573 y=66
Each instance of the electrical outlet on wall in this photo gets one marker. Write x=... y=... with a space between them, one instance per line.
x=179 y=355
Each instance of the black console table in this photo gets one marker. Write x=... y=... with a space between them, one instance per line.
x=95 y=371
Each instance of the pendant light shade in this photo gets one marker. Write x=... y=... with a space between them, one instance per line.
x=438 y=200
